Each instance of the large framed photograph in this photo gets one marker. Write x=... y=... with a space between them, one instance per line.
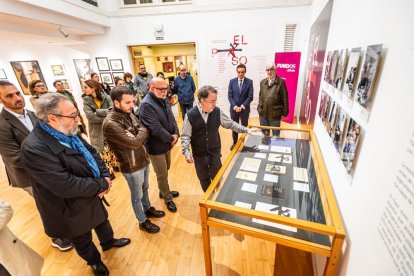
x=3 y=75
x=116 y=65
x=83 y=69
x=65 y=83
x=168 y=67
x=103 y=64
x=106 y=77
x=58 y=70
x=25 y=72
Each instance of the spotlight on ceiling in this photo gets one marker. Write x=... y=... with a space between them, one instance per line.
x=63 y=31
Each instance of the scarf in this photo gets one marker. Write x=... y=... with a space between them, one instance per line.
x=76 y=144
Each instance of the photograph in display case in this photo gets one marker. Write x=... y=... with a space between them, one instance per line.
x=287 y=159
x=273 y=168
x=116 y=64
x=340 y=71
x=351 y=144
x=277 y=210
x=58 y=70
x=3 y=75
x=26 y=71
x=327 y=66
x=368 y=75
x=273 y=191
x=332 y=70
x=352 y=73
x=338 y=133
x=103 y=64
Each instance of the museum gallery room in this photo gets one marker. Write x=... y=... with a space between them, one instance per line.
x=206 y=137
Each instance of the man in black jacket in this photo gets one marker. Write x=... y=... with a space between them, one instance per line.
x=70 y=180
x=156 y=114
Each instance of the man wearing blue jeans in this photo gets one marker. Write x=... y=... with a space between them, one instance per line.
x=126 y=136
x=185 y=88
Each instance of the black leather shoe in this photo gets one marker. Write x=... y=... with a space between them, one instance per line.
x=152 y=213
x=117 y=243
x=149 y=227
x=100 y=269
x=174 y=194
x=171 y=206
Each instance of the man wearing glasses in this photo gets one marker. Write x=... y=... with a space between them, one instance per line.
x=142 y=80
x=185 y=87
x=201 y=131
x=15 y=124
x=70 y=180
x=240 y=95
x=156 y=114
x=273 y=100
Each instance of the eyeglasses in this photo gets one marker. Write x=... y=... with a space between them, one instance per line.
x=73 y=117
x=40 y=85
x=271 y=69
x=161 y=88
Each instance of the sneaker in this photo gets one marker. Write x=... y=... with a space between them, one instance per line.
x=61 y=244
x=152 y=213
x=149 y=227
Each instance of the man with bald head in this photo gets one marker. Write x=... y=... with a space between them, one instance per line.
x=156 y=114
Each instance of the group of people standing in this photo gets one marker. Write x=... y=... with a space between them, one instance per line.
x=45 y=154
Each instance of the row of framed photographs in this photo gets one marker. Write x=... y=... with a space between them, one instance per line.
x=345 y=76
x=344 y=131
x=109 y=65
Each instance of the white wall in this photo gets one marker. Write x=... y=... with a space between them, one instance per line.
x=46 y=55
x=362 y=199
x=263 y=30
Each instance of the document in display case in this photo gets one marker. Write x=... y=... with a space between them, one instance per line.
x=276 y=188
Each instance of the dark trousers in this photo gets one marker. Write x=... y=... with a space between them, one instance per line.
x=206 y=168
x=266 y=122
x=241 y=117
x=184 y=108
x=86 y=249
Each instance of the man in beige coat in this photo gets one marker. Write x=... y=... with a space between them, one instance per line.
x=15 y=256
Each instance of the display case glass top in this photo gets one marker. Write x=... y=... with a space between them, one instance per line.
x=279 y=175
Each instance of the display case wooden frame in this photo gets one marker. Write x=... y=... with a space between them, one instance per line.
x=333 y=228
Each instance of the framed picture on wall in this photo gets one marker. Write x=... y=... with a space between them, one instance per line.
x=83 y=69
x=118 y=74
x=102 y=63
x=116 y=65
x=27 y=71
x=3 y=75
x=168 y=67
x=107 y=77
x=65 y=83
x=58 y=70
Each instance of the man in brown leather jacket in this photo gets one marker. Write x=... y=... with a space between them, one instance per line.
x=126 y=136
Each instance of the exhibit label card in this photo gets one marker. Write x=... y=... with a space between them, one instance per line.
x=273 y=168
x=248 y=187
x=302 y=187
x=276 y=210
x=280 y=149
x=271 y=178
x=300 y=174
x=263 y=147
x=246 y=176
x=243 y=205
x=260 y=155
x=275 y=157
x=250 y=164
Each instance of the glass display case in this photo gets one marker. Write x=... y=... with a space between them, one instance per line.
x=276 y=188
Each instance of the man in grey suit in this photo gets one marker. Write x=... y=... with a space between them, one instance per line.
x=15 y=124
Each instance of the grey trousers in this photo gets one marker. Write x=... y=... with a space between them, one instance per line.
x=161 y=164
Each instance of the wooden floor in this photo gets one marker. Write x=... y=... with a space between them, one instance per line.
x=176 y=250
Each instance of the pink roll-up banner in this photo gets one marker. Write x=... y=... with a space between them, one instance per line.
x=287 y=67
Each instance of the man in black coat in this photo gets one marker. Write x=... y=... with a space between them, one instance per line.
x=15 y=124
x=155 y=113
x=70 y=180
